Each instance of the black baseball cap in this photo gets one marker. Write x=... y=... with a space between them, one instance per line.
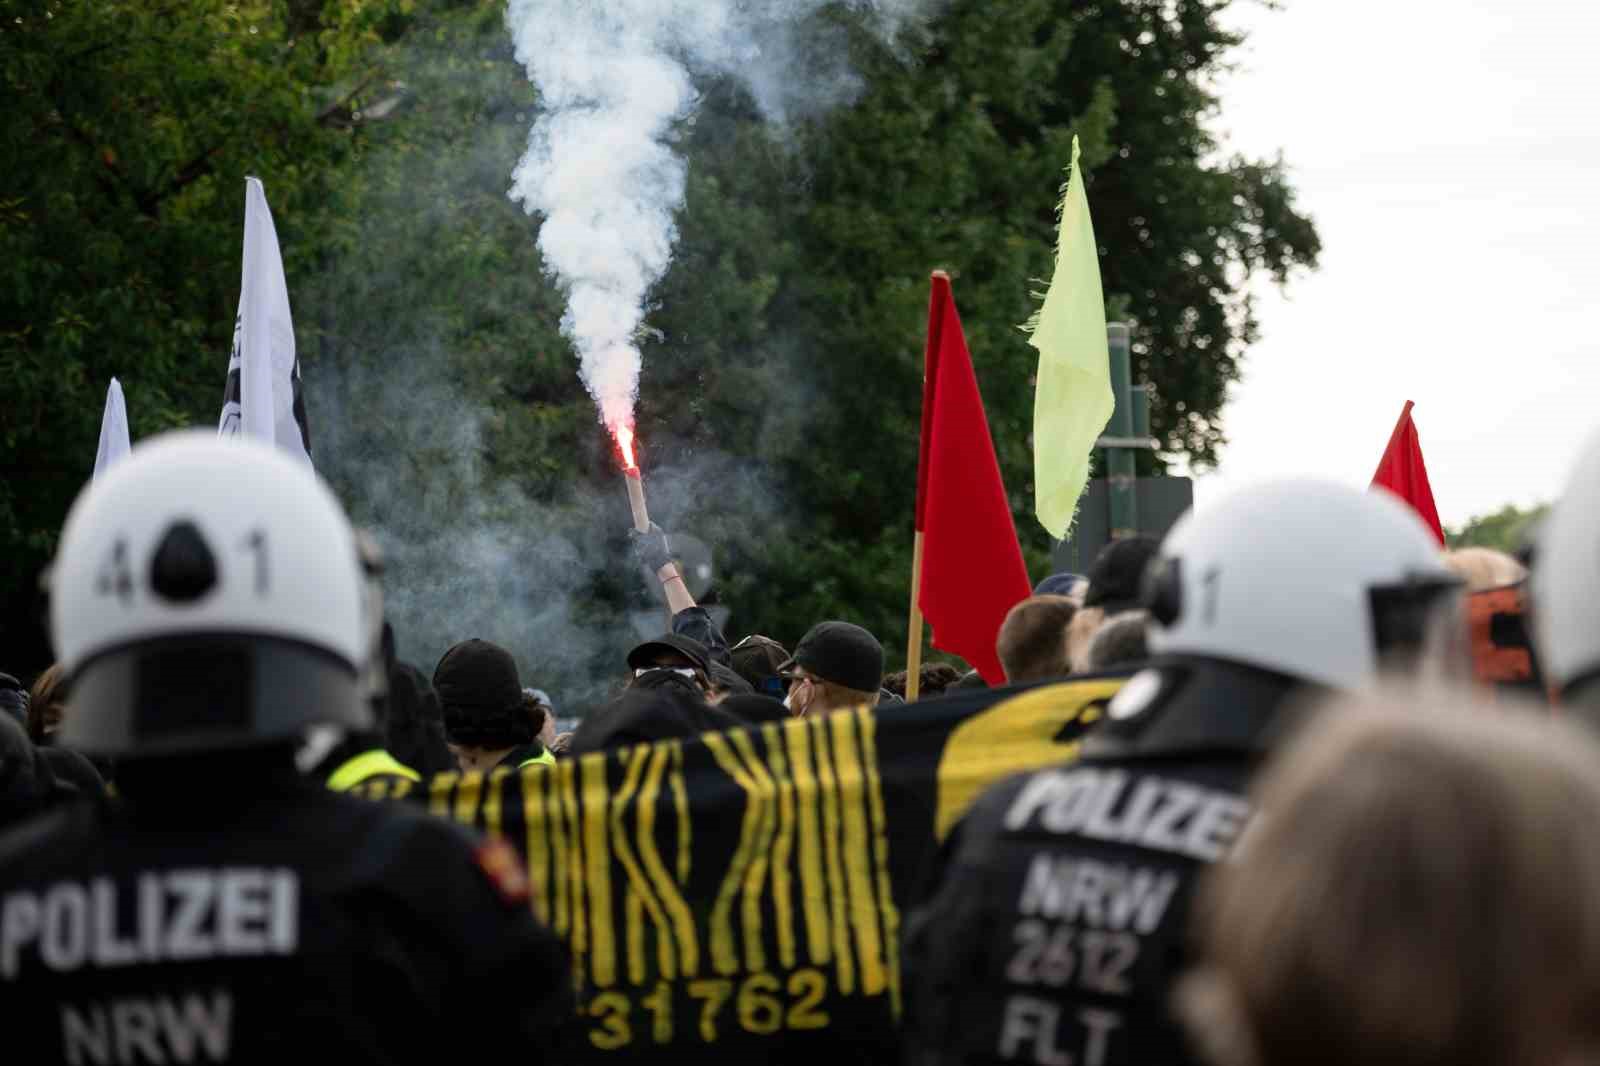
x=672 y=644
x=758 y=659
x=841 y=653
x=1060 y=584
x=1116 y=574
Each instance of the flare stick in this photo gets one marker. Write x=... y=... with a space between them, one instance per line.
x=641 y=515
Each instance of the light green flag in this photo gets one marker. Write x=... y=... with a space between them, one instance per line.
x=1072 y=401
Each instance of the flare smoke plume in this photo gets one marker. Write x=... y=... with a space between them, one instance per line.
x=615 y=78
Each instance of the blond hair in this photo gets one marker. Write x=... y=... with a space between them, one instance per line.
x=47 y=704
x=1085 y=624
x=834 y=697
x=1419 y=888
x=1484 y=568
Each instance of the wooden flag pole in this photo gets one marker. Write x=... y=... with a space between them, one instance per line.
x=914 y=630
x=929 y=376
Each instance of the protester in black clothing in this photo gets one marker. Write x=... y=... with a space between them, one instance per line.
x=672 y=653
x=208 y=608
x=836 y=666
x=414 y=733
x=758 y=659
x=1054 y=925
x=22 y=791
x=664 y=707
x=73 y=772
x=689 y=619
x=726 y=682
x=13 y=699
x=753 y=708
x=484 y=717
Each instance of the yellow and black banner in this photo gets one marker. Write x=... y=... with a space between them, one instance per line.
x=741 y=892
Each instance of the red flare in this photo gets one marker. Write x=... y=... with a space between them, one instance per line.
x=625 y=445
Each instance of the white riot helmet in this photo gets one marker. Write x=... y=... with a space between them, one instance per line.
x=1566 y=579
x=1310 y=579
x=207 y=594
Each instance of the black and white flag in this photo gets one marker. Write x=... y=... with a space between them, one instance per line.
x=262 y=398
x=113 y=430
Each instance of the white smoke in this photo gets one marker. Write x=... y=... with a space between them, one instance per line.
x=615 y=81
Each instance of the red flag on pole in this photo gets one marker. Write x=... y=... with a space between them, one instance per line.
x=1403 y=473
x=972 y=569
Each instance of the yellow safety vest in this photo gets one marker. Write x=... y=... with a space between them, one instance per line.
x=544 y=758
x=369 y=764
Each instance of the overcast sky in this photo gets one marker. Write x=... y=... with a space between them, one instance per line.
x=1449 y=151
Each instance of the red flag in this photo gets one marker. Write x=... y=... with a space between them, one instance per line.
x=1403 y=473
x=972 y=570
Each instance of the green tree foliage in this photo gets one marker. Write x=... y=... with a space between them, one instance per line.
x=780 y=397
x=1504 y=530
x=127 y=130
x=955 y=161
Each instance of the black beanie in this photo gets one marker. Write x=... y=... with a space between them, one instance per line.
x=481 y=696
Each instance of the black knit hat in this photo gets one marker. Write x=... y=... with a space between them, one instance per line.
x=482 y=697
x=1116 y=574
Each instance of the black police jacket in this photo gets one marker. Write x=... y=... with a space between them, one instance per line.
x=276 y=922
x=1054 y=926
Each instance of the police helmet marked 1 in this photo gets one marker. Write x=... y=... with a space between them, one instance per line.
x=284 y=553
x=1566 y=577
x=1280 y=576
x=274 y=643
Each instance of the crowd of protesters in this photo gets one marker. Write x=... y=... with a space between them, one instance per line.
x=1419 y=886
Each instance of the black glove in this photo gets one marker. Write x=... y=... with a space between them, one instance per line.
x=651 y=548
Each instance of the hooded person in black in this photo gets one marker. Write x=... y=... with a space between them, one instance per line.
x=484 y=718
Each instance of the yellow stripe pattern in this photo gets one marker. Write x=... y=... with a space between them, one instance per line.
x=791 y=887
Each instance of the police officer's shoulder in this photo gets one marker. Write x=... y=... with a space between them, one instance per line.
x=975 y=836
x=410 y=850
x=46 y=840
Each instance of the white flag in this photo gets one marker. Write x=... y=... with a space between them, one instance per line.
x=262 y=398
x=113 y=430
